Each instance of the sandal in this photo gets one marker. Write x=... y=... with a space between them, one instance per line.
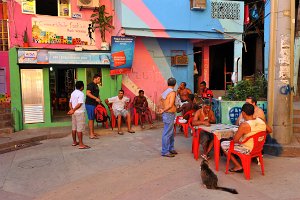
x=120 y=133
x=131 y=131
x=94 y=137
x=204 y=157
x=75 y=144
x=236 y=171
x=84 y=147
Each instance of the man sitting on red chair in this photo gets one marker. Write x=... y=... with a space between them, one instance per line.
x=204 y=92
x=249 y=127
x=205 y=116
x=118 y=105
x=141 y=105
x=187 y=107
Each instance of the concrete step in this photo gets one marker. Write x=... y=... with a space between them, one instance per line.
x=296 y=128
x=296 y=119
x=5 y=116
x=7 y=130
x=5 y=123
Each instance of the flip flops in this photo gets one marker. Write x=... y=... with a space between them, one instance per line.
x=131 y=131
x=94 y=138
x=120 y=133
x=75 y=144
x=236 y=171
x=85 y=147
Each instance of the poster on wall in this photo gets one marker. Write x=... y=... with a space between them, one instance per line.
x=28 y=6
x=44 y=56
x=48 y=30
x=122 y=49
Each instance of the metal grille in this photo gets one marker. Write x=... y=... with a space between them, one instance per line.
x=33 y=114
x=225 y=10
x=3 y=35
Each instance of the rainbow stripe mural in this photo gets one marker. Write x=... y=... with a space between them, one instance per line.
x=164 y=27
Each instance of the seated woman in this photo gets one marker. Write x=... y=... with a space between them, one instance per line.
x=141 y=105
x=205 y=116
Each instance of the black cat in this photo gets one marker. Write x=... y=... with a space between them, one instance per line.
x=210 y=179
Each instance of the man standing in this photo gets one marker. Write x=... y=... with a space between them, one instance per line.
x=76 y=105
x=92 y=99
x=183 y=92
x=119 y=105
x=168 y=111
x=140 y=103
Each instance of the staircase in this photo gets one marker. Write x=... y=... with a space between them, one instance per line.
x=5 y=119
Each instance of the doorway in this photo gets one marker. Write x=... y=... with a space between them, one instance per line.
x=221 y=63
x=62 y=84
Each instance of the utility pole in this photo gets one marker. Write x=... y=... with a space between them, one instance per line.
x=280 y=78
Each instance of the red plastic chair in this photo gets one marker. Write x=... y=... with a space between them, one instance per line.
x=258 y=144
x=136 y=117
x=186 y=125
x=113 y=119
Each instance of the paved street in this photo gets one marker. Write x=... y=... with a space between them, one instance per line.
x=130 y=167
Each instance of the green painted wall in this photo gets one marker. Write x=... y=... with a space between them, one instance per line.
x=110 y=87
x=15 y=89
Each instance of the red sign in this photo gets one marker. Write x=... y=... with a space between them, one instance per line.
x=119 y=58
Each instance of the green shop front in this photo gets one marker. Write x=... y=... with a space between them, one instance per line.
x=42 y=81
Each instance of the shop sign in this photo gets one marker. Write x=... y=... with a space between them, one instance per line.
x=79 y=58
x=122 y=51
x=46 y=30
x=27 y=56
x=62 y=57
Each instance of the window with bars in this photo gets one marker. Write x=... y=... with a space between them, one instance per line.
x=3 y=35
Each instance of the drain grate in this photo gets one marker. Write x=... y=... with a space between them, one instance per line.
x=34 y=163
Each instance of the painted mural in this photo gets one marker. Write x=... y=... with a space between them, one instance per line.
x=230 y=110
x=61 y=31
x=160 y=30
x=52 y=31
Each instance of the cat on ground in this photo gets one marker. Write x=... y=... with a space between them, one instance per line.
x=210 y=179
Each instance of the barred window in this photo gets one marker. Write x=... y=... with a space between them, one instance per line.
x=3 y=35
x=225 y=10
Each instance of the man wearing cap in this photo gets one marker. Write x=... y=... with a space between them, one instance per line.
x=205 y=116
x=168 y=111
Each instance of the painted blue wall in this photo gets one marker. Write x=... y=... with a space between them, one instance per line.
x=176 y=19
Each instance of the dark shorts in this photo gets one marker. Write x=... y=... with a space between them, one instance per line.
x=205 y=137
x=90 y=109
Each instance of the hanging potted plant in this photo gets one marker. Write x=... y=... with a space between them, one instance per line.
x=102 y=21
x=25 y=38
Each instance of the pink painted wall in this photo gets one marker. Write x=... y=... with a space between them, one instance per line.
x=4 y=63
x=20 y=21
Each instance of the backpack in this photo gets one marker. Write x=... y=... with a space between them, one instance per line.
x=101 y=113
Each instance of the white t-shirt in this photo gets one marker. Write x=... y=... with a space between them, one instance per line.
x=118 y=104
x=77 y=97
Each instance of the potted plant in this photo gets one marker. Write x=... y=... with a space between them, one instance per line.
x=102 y=21
x=229 y=108
x=25 y=38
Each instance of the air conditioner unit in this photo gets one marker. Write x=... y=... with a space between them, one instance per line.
x=179 y=60
x=88 y=3
x=198 y=4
